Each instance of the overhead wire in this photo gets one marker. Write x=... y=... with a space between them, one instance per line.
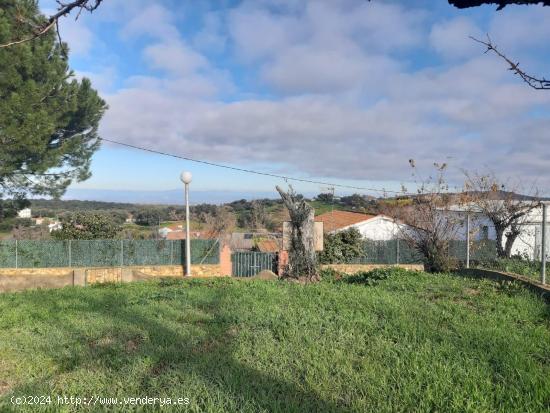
x=251 y=171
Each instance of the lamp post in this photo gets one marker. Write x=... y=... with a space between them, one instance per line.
x=543 y=246
x=186 y=179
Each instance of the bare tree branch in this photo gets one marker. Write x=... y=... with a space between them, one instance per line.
x=502 y=205
x=534 y=82
x=64 y=9
x=464 y=4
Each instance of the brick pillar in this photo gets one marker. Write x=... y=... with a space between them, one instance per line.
x=283 y=262
x=225 y=260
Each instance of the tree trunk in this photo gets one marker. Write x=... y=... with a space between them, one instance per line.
x=302 y=259
x=501 y=253
x=510 y=239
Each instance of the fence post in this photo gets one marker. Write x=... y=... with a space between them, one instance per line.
x=70 y=254
x=16 y=256
x=122 y=253
x=171 y=252
x=467 y=240
x=397 y=251
x=543 y=246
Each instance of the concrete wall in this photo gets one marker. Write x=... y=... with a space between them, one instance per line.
x=535 y=286
x=12 y=279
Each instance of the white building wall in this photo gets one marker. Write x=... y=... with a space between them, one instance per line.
x=24 y=213
x=378 y=229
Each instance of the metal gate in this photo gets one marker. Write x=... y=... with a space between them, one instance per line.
x=248 y=264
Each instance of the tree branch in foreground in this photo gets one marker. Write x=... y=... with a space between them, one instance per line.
x=535 y=83
x=464 y=4
x=63 y=10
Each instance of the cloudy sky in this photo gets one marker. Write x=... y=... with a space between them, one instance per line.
x=345 y=91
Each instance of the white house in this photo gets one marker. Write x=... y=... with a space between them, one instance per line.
x=164 y=231
x=24 y=213
x=373 y=227
x=54 y=226
x=527 y=244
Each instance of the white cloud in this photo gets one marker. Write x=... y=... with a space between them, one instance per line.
x=211 y=36
x=175 y=57
x=102 y=79
x=155 y=21
x=343 y=100
x=521 y=28
x=78 y=36
x=326 y=46
x=451 y=38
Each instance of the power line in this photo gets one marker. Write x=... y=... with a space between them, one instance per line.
x=250 y=171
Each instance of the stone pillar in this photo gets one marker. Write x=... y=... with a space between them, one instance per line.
x=79 y=276
x=225 y=260
x=283 y=262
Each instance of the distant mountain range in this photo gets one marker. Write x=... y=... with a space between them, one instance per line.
x=175 y=196
x=168 y=197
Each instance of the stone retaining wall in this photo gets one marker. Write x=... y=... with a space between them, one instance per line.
x=533 y=285
x=353 y=268
x=15 y=279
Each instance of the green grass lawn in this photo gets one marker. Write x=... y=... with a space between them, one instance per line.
x=412 y=342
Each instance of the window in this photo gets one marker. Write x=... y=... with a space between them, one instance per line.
x=484 y=232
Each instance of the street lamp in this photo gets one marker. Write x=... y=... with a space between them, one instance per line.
x=186 y=178
x=543 y=246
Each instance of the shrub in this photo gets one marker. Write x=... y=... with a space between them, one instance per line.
x=378 y=274
x=330 y=275
x=342 y=247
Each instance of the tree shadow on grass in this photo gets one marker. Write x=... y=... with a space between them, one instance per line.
x=205 y=352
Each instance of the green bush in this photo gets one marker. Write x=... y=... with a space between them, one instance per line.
x=341 y=247
x=364 y=277
x=330 y=275
x=378 y=274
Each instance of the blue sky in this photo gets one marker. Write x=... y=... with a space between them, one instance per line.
x=343 y=91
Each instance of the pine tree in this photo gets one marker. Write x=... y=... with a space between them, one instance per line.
x=48 y=119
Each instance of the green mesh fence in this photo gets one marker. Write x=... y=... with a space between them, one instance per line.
x=145 y=252
x=387 y=252
x=398 y=251
x=96 y=253
x=104 y=253
x=40 y=254
x=479 y=250
x=8 y=257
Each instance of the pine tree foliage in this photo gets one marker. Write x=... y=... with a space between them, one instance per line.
x=48 y=118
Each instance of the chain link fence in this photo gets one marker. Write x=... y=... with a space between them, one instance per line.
x=104 y=253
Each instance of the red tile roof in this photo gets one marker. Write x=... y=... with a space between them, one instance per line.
x=336 y=220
